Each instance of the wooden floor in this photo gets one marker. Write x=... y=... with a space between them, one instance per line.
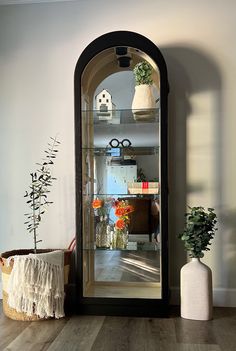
x=98 y=333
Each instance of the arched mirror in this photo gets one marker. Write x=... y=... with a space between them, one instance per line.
x=121 y=176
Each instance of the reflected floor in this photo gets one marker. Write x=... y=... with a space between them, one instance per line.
x=127 y=266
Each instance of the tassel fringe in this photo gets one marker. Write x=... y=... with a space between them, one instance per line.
x=36 y=284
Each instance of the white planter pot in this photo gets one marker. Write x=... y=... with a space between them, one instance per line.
x=196 y=291
x=144 y=104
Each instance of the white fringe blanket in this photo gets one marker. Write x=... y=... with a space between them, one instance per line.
x=36 y=284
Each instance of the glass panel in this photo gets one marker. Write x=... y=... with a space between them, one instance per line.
x=121 y=200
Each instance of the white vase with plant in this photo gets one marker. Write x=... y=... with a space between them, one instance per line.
x=196 y=277
x=144 y=104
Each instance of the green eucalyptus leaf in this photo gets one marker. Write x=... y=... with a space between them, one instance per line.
x=199 y=230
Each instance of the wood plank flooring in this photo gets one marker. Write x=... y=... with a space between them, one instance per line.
x=99 y=333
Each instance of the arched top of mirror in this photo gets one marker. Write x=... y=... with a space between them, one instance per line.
x=107 y=63
x=100 y=59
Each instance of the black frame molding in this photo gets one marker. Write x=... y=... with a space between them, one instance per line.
x=124 y=306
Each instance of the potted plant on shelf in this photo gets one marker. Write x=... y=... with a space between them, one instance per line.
x=196 y=277
x=143 y=104
x=19 y=302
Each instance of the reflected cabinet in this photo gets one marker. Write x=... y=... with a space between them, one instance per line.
x=121 y=93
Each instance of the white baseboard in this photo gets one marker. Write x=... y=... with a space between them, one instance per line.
x=221 y=297
x=224 y=297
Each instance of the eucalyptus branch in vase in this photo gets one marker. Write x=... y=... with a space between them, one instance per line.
x=37 y=196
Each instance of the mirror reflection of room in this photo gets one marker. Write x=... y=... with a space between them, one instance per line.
x=126 y=170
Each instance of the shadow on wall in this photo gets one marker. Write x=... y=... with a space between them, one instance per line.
x=228 y=251
x=190 y=71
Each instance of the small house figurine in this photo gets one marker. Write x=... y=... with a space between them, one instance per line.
x=104 y=105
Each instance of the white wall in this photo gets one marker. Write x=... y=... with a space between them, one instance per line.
x=39 y=47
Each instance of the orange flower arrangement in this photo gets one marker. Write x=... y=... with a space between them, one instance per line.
x=120 y=223
x=102 y=207
x=122 y=210
x=97 y=203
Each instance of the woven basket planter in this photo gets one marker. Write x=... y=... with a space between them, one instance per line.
x=6 y=271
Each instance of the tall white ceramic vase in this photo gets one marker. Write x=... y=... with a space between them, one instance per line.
x=196 y=291
x=143 y=104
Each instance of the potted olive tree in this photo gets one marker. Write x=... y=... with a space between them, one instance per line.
x=196 y=277
x=17 y=304
x=144 y=104
x=39 y=189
